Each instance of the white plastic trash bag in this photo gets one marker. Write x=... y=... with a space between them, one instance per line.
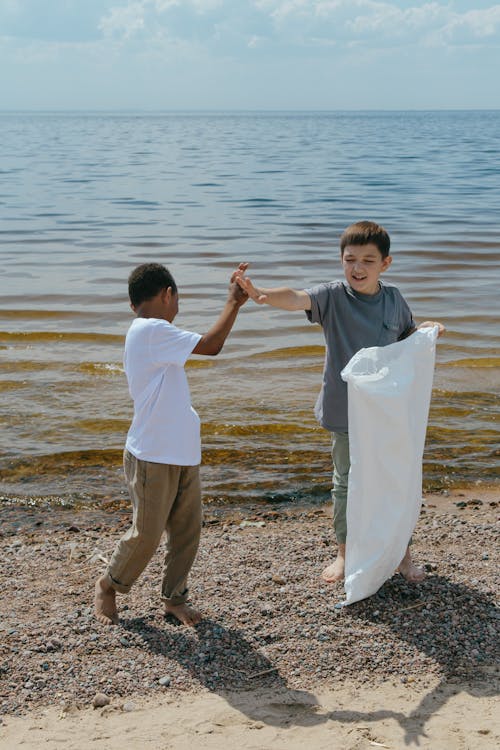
x=389 y=392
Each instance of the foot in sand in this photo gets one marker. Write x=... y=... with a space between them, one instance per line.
x=413 y=573
x=335 y=571
x=105 y=603
x=184 y=613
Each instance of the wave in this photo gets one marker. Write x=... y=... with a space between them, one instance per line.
x=75 y=336
x=476 y=362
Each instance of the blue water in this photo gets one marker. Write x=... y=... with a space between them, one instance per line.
x=85 y=197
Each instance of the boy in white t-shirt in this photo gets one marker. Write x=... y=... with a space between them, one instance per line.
x=163 y=447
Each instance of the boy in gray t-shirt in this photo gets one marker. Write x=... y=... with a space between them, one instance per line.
x=356 y=313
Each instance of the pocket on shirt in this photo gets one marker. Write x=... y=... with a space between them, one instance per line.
x=391 y=325
x=390 y=332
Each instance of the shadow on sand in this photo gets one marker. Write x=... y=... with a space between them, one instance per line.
x=210 y=650
x=436 y=624
x=438 y=631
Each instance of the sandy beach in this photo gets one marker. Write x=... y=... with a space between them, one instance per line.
x=276 y=663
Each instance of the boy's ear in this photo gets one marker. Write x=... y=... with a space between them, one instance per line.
x=386 y=263
x=133 y=307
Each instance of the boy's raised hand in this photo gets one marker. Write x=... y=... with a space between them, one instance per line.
x=236 y=291
x=246 y=284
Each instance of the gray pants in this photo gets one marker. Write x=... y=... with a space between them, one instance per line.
x=164 y=498
x=341 y=466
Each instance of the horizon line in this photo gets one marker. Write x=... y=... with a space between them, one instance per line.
x=189 y=110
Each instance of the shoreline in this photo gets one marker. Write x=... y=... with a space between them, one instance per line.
x=271 y=627
x=49 y=508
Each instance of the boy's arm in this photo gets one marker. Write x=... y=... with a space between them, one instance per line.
x=212 y=342
x=282 y=297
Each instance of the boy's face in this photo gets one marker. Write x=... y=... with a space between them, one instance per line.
x=362 y=266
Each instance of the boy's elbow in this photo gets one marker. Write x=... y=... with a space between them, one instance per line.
x=208 y=348
x=216 y=349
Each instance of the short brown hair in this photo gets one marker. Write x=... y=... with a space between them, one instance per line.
x=364 y=233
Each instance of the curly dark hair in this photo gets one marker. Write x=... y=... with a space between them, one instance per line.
x=147 y=280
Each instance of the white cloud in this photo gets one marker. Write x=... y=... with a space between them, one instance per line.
x=386 y=19
x=480 y=23
x=349 y=20
x=123 y=21
x=254 y=42
x=200 y=6
x=148 y=16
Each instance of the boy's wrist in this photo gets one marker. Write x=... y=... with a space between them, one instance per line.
x=234 y=302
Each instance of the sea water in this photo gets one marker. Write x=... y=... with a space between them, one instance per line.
x=85 y=197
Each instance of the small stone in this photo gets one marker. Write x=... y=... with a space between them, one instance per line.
x=100 y=700
x=165 y=681
x=53 y=644
x=267 y=609
x=245 y=524
x=68 y=707
x=128 y=706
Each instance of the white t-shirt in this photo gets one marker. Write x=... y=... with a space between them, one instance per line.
x=165 y=428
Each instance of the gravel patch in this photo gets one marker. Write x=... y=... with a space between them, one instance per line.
x=269 y=619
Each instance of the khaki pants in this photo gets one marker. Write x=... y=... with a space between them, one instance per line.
x=164 y=498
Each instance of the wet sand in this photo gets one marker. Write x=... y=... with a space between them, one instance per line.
x=275 y=663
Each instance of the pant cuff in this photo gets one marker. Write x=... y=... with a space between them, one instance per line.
x=121 y=588
x=176 y=598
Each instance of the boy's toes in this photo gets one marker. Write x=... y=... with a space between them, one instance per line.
x=334 y=572
x=184 y=613
x=412 y=573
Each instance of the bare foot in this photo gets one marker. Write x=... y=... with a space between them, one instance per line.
x=105 y=603
x=335 y=571
x=184 y=613
x=413 y=573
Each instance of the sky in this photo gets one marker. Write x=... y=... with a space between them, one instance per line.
x=248 y=55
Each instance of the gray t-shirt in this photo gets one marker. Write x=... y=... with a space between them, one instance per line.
x=350 y=322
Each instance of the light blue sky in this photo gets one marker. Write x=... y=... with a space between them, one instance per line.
x=253 y=54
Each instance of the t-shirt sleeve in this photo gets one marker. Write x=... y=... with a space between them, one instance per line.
x=407 y=322
x=170 y=345
x=319 y=296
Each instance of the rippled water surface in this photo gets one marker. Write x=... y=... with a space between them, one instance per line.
x=86 y=197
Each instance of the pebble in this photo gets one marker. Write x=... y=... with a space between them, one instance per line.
x=100 y=700
x=165 y=681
